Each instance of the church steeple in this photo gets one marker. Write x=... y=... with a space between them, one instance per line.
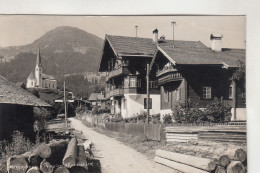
x=38 y=70
x=38 y=60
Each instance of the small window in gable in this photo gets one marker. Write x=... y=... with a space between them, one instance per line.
x=206 y=92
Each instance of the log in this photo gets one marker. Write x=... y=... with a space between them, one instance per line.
x=236 y=167
x=46 y=167
x=81 y=157
x=34 y=159
x=223 y=160
x=61 y=170
x=17 y=164
x=178 y=166
x=220 y=169
x=34 y=169
x=45 y=150
x=240 y=155
x=202 y=163
x=58 y=150
x=70 y=156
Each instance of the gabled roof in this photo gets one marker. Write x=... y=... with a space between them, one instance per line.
x=196 y=53
x=46 y=76
x=12 y=94
x=96 y=96
x=131 y=45
x=31 y=76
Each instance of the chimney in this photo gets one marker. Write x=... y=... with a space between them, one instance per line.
x=216 y=42
x=155 y=36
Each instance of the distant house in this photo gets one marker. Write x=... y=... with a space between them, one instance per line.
x=38 y=79
x=16 y=109
x=125 y=59
x=97 y=99
x=191 y=71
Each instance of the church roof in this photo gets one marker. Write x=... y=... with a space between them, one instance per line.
x=31 y=76
x=46 y=76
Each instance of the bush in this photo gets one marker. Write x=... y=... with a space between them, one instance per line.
x=17 y=146
x=188 y=113
x=167 y=119
x=216 y=112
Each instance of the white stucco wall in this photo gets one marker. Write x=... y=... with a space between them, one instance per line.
x=52 y=84
x=240 y=114
x=30 y=83
x=135 y=104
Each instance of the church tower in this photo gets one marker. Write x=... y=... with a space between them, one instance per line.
x=38 y=70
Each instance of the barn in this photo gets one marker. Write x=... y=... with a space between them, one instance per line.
x=16 y=109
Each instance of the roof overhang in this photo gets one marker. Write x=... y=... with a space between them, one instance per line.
x=166 y=55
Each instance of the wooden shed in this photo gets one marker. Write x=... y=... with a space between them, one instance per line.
x=16 y=109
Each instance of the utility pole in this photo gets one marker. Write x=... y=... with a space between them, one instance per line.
x=173 y=23
x=136 y=28
x=148 y=94
x=65 y=105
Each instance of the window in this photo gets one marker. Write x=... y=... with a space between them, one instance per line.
x=132 y=82
x=207 y=92
x=166 y=96
x=178 y=94
x=153 y=84
x=52 y=85
x=230 y=91
x=32 y=83
x=49 y=85
x=124 y=102
x=150 y=103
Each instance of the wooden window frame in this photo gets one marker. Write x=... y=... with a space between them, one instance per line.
x=208 y=92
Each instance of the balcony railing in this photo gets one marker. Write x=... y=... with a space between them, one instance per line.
x=120 y=90
x=169 y=78
x=166 y=70
x=118 y=71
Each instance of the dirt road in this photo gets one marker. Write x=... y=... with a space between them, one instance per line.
x=115 y=157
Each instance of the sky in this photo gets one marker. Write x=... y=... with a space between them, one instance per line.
x=18 y=30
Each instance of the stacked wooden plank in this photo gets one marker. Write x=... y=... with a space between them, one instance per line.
x=212 y=133
x=56 y=156
x=236 y=163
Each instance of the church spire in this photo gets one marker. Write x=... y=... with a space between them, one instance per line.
x=38 y=60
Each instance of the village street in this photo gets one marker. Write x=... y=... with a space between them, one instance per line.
x=115 y=157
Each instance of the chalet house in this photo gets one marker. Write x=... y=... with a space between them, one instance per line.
x=125 y=60
x=16 y=109
x=191 y=71
x=97 y=99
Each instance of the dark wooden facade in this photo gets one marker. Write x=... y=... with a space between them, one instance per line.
x=16 y=117
x=186 y=83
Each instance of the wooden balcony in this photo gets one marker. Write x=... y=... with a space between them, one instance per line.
x=115 y=92
x=165 y=70
x=122 y=70
x=170 y=77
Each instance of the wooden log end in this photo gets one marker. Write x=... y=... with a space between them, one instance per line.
x=224 y=160
x=44 y=151
x=240 y=155
x=211 y=166
x=220 y=169
x=34 y=169
x=236 y=167
x=46 y=167
x=69 y=162
x=17 y=165
x=61 y=170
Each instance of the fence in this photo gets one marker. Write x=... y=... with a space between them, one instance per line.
x=151 y=131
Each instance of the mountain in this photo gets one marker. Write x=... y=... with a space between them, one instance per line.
x=64 y=50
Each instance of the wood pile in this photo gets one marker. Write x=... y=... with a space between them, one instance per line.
x=236 y=163
x=220 y=133
x=62 y=156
